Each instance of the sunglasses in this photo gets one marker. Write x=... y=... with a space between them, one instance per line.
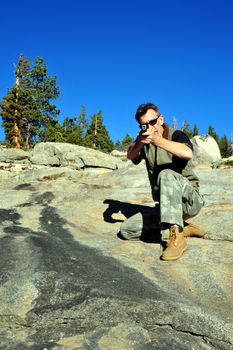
x=145 y=126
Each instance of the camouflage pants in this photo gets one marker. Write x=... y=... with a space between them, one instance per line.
x=179 y=201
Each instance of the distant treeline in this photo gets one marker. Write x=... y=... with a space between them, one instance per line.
x=225 y=145
x=29 y=115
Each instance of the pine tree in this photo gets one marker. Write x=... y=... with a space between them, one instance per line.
x=195 y=130
x=127 y=140
x=186 y=129
x=212 y=133
x=75 y=136
x=97 y=135
x=224 y=147
x=11 y=112
x=75 y=129
x=68 y=125
x=231 y=145
x=53 y=132
x=117 y=145
x=82 y=122
x=30 y=98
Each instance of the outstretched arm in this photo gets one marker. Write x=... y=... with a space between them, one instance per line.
x=154 y=137
x=178 y=149
x=134 y=150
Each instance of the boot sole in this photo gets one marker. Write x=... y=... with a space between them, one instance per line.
x=169 y=258
x=193 y=235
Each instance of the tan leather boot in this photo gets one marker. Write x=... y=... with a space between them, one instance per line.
x=192 y=230
x=176 y=245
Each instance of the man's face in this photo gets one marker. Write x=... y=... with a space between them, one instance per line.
x=151 y=119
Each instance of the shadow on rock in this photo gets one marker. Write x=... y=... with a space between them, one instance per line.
x=127 y=209
x=9 y=215
x=149 y=214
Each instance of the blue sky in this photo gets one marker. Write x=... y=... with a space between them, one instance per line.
x=114 y=55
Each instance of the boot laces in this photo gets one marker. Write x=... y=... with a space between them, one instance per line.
x=172 y=236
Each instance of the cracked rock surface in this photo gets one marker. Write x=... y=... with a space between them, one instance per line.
x=67 y=282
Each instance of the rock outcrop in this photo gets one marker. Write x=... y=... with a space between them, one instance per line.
x=72 y=156
x=54 y=160
x=68 y=282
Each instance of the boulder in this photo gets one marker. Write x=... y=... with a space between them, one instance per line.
x=9 y=155
x=73 y=156
x=119 y=154
x=44 y=153
x=206 y=150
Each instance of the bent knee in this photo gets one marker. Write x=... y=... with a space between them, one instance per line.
x=129 y=235
x=167 y=174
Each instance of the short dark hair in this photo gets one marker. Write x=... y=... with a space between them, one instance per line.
x=143 y=108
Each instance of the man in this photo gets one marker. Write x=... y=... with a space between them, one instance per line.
x=167 y=153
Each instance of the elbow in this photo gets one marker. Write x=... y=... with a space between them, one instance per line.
x=188 y=154
x=129 y=156
x=129 y=152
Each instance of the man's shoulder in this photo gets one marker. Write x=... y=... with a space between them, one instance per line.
x=177 y=133
x=180 y=136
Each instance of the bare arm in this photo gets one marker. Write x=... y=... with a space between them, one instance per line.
x=134 y=150
x=178 y=149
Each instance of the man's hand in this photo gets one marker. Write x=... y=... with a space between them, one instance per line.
x=151 y=135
